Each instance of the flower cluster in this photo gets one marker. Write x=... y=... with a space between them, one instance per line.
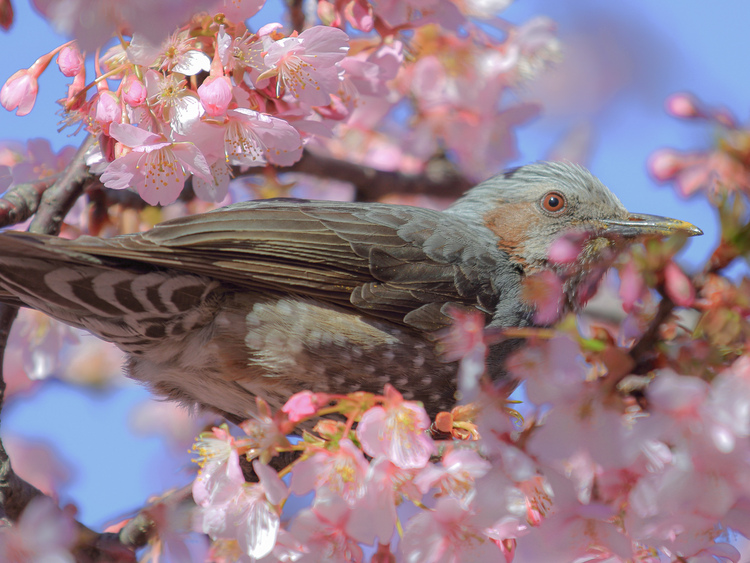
x=720 y=169
x=589 y=476
x=210 y=98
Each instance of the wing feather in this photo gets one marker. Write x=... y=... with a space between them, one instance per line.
x=401 y=263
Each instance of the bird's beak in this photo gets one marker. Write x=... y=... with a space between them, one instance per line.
x=639 y=225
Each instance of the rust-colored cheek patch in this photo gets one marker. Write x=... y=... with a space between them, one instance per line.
x=511 y=223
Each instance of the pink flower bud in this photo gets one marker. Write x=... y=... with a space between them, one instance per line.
x=19 y=91
x=108 y=110
x=6 y=14
x=632 y=286
x=302 y=405
x=678 y=286
x=215 y=95
x=664 y=164
x=683 y=105
x=134 y=91
x=565 y=249
x=70 y=60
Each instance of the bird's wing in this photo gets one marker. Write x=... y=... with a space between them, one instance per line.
x=400 y=263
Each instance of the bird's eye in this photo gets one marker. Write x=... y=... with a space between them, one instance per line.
x=554 y=202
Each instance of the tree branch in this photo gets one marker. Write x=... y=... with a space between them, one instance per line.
x=51 y=204
x=21 y=202
x=440 y=179
x=297 y=14
x=62 y=195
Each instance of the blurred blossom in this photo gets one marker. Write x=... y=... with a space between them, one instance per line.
x=678 y=286
x=42 y=534
x=43 y=341
x=38 y=161
x=173 y=422
x=39 y=464
x=323 y=530
x=447 y=534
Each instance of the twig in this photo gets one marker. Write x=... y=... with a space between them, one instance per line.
x=51 y=207
x=58 y=199
x=372 y=184
x=22 y=201
x=297 y=15
x=647 y=340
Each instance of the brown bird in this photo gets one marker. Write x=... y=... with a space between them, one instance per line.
x=267 y=298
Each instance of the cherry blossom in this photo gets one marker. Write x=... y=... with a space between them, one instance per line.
x=343 y=472
x=396 y=431
x=305 y=65
x=220 y=475
x=251 y=516
x=252 y=139
x=20 y=90
x=156 y=167
x=447 y=534
x=323 y=531
x=303 y=405
x=43 y=533
x=460 y=468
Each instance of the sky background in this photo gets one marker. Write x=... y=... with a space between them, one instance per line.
x=622 y=61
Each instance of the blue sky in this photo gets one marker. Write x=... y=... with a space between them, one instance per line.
x=655 y=48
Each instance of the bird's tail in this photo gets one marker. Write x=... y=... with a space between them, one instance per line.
x=122 y=301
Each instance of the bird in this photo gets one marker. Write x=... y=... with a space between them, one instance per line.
x=271 y=297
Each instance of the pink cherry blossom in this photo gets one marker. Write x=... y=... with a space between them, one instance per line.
x=252 y=139
x=460 y=468
x=397 y=431
x=678 y=286
x=175 y=103
x=374 y=515
x=323 y=530
x=447 y=535
x=43 y=533
x=218 y=188
x=220 y=475
x=305 y=66
x=683 y=105
x=38 y=161
x=266 y=432
x=303 y=405
x=20 y=91
x=466 y=340
x=343 y=472
x=155 y=166
x=632 y=286
x=252 y=515
x=544 y=291
x=565 y=249
x=154 y=20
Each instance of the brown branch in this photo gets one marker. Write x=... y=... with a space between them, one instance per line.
x=22 y=201
x=372 y=184
x=62 y=195
x=648 y=339
x=297 y=14
x=51 y=204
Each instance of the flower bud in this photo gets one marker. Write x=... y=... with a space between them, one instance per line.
x=70 y=60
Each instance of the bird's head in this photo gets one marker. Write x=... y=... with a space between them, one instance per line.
x=529 y=208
